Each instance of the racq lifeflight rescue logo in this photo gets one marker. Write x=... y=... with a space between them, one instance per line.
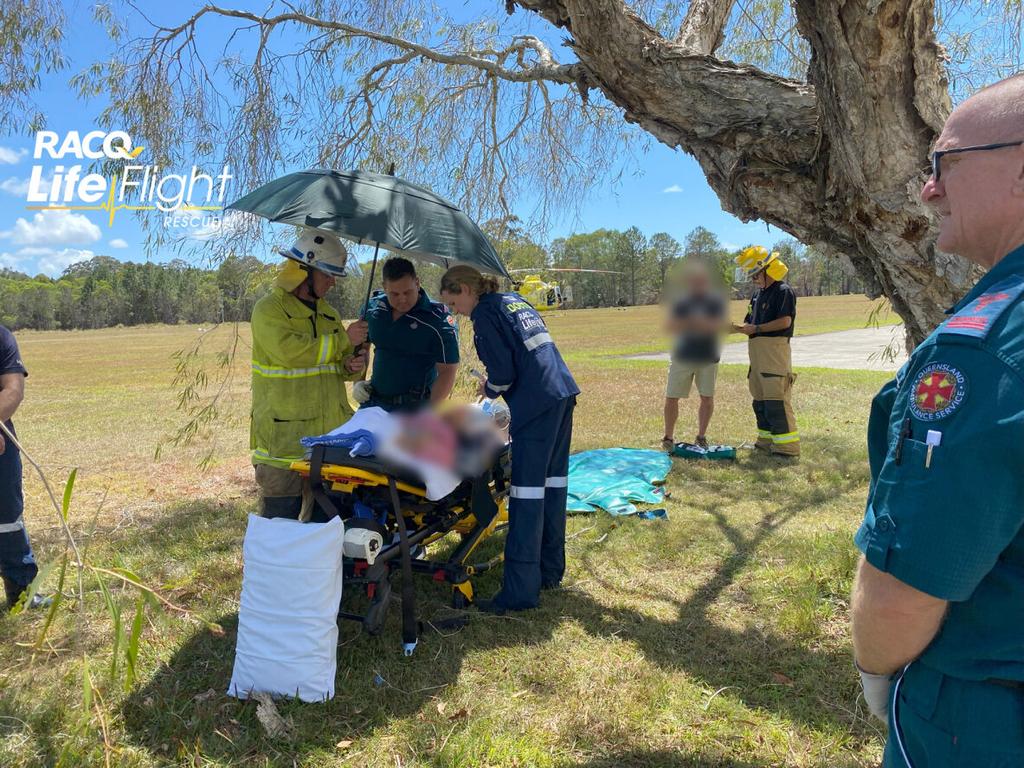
x=134 y=187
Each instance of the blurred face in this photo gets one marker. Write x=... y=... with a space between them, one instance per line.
x=461 y=303
x=979 y=196
x=760 y=279
x=402 y=293
x=322 y=283
x=698 y=281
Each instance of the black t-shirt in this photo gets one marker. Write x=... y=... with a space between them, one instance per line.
x=771 y=303
x=10 y=358
x=694 y=346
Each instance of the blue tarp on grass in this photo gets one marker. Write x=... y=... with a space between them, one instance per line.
x=612 y=478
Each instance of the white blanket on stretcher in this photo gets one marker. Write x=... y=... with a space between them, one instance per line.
x=437 y=480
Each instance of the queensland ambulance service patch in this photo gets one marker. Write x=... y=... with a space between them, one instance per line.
x=939 y=389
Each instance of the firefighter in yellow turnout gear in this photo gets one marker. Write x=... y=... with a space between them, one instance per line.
x=769 y=324
x=301 y=358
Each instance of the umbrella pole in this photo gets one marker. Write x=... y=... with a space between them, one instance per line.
x=366 y=303
x=369 y=285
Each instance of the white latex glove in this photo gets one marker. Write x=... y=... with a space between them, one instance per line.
x=876 y=693
x=361 y=391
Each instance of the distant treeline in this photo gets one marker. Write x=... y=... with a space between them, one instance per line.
x=104 y=292
x=647 y=264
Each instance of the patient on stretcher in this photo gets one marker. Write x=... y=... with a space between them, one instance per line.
x=443 y=447
x=463 y=438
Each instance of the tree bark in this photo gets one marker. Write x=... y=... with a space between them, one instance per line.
x=836 y=161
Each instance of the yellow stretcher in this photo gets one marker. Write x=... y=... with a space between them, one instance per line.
x=368 y=494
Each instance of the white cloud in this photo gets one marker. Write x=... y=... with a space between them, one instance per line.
x=222 y=225
x=117 y=242
x=51 y=261
x=672 y=190
x=731 y=246
x=19 y=187
x=10 y=156
x=53 y=228
x=54 y=264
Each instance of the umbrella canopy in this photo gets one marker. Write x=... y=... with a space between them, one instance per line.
x=376 y=209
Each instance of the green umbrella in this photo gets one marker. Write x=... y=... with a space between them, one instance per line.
x=377 y=209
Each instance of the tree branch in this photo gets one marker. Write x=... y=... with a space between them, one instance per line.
x=545 y=67
x=703 y=29
x=686 y=100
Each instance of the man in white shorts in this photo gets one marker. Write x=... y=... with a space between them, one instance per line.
x=697 y=318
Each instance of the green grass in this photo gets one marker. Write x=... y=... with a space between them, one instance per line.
x=718 y=637
x=637 y=330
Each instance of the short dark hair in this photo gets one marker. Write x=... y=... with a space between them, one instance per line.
x=396 y=268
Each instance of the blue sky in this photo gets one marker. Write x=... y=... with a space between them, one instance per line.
x=664 y=191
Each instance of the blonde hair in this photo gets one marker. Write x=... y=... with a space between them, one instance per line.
x=463 y=274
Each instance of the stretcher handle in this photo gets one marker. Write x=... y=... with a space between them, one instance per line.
x=409 y=634
x=316 y=482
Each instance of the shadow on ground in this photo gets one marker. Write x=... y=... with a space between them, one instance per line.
x=175 y=715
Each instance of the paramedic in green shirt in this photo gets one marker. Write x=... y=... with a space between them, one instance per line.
x=415 y=343
x=938 y=604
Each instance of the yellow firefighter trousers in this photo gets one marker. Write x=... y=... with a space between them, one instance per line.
x=771 y=382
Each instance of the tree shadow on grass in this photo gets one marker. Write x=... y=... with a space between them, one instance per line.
x=667 y=759
x=182 y=710
x=175 y=717
x=757 y=665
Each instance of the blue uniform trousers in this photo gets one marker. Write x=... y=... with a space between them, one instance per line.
x=942 y=721
x=16 y=561
x=535 y=544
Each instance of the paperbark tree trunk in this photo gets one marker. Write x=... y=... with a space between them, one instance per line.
x=836 y=161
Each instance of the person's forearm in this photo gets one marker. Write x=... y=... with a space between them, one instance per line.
x=779 y=324
x=889 y=629
x=9 y=401
x=443 y=385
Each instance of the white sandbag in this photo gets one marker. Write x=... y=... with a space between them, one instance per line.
x=288 y=617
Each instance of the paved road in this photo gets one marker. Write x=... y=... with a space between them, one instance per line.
x=859 y=349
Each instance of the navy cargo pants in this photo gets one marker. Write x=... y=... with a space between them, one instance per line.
x=938 y=721
x=17 y=565
x=535 y=544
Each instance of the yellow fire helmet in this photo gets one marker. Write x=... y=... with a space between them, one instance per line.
x=755 y=258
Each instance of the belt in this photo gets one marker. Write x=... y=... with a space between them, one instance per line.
x=1017 y=684
x=415 y=396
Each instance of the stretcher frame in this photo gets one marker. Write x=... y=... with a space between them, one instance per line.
x=476 y=510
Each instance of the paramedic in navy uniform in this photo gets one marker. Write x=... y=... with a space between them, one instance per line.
x=523 y=366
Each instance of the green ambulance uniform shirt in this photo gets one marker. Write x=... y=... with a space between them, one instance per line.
x=951 y=526
x=407 y=349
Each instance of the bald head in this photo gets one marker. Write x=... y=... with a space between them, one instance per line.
x=995 y=113
x=978 y=193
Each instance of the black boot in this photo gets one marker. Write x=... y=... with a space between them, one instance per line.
x=14 y=592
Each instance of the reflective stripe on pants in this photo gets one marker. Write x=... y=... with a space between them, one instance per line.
x=16 y=560
x=535 y=544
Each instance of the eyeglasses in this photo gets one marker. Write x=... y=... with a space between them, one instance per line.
x=937 y=156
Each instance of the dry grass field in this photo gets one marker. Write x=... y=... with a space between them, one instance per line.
x=715 y=638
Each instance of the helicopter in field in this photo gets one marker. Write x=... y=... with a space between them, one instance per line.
x=546 y=295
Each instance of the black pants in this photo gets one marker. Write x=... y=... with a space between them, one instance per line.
x=16 y=561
